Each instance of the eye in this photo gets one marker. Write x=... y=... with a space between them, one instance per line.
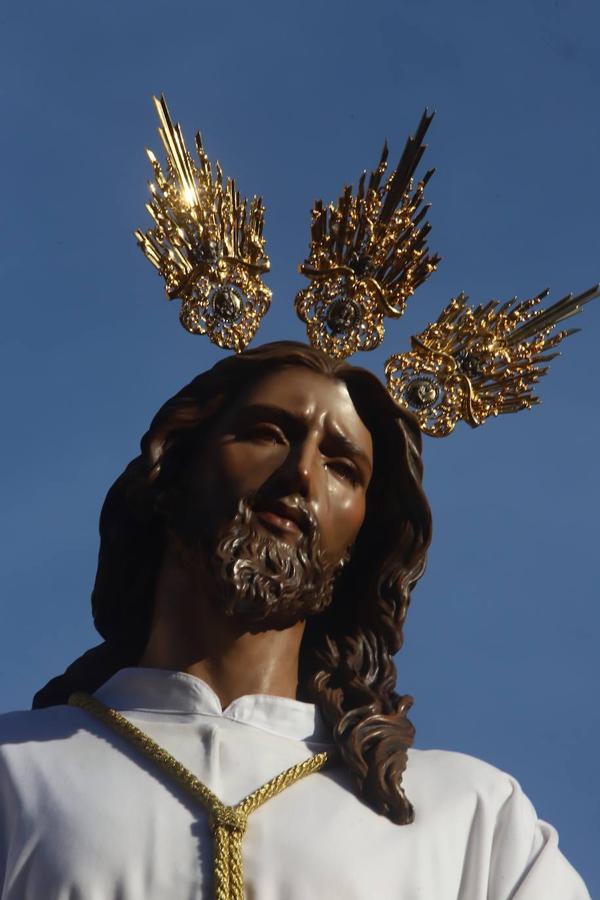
x=345 y=470
x=265 y=433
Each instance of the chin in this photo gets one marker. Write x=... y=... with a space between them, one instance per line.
x=268 y=603
x=270 y=580
x=277 y=535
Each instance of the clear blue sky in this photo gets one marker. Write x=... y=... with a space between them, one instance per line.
x=295 y=99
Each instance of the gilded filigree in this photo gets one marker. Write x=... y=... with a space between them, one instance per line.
x=207 y=242
x=477 y=362
x=368 y=254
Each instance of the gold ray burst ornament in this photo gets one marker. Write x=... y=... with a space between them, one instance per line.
x=207 y=242
x=477 y=362
x=368 y=253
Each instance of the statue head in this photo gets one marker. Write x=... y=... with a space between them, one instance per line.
x=348 y=570
x=270 y=498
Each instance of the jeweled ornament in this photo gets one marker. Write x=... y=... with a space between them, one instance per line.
x=227 y=302
x=343 y=315
x=368 y=253
x=422 y=393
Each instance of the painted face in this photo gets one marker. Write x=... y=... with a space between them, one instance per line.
x=296 y=444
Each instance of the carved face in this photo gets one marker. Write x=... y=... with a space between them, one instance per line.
x=294 y=443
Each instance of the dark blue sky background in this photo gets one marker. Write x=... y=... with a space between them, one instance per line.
x=295 y=99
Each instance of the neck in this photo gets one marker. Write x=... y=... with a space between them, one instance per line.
x=191 y=633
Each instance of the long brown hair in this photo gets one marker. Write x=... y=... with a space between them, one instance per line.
x=347 y=665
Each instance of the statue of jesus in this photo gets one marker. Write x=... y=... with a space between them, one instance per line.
x=255 y=571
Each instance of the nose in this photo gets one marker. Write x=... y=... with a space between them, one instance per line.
x=298 y=474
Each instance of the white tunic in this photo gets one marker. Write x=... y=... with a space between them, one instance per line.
x=84 y=817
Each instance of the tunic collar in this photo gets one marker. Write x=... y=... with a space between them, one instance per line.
x=177 y=693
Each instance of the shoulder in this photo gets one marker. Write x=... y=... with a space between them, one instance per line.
x=25 y=726
x=492 y=825
x=39 y=748
x=30 y=735
x=448 y=779
x=466 y=770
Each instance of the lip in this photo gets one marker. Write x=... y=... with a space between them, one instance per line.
x=283 y=516
x=281 y=523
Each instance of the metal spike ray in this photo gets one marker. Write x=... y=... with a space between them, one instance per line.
x=206 y=242
x=556 y=313
x=477 y=362
x=368 y=254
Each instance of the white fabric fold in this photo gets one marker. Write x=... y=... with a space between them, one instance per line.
x=84 y=817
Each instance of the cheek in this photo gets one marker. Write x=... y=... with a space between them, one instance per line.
x=243 y=468
x=346 y=515
x=355 y=516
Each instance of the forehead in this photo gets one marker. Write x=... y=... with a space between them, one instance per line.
x=312 y=397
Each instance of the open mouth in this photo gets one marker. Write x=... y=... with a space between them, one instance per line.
x=279 y=523
x=282 y=518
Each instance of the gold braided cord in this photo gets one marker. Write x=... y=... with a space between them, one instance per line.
x=227 y=823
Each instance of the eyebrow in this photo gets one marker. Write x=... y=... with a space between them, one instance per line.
x=348 y=446
x=297 y=426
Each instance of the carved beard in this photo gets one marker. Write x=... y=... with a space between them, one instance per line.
x=266 y=581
